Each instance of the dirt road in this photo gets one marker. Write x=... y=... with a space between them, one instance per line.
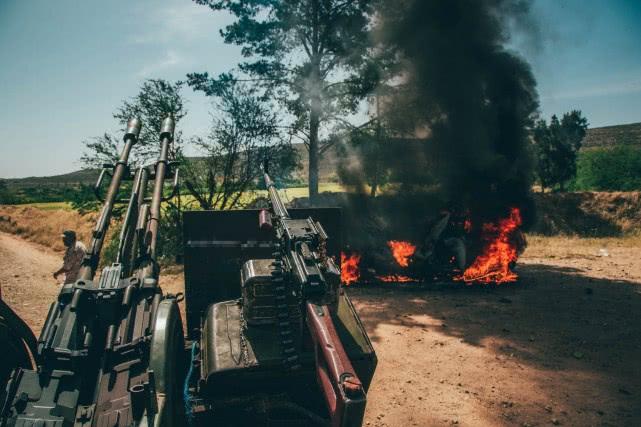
x=561 y=347
x=26 y=278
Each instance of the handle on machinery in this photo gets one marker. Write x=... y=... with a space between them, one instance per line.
x=343 y=390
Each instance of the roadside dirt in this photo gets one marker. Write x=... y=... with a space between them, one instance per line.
x=26 y=278
x=561 y=347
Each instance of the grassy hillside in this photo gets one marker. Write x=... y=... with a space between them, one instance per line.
x=85 y=176
x=609 y=136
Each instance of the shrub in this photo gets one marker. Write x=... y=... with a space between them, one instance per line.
x=609 y=169
x=84 y=200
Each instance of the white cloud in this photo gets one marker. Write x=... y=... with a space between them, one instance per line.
x=177 y=23
x=185 y=31
x=170 y=60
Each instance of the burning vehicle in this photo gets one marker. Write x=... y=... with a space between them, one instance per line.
x=450 y=135
x=452 y=249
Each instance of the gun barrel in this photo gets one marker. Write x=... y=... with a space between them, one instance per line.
x=277 y=204
x=166 y=138
x=127 y=244
x=90 y=263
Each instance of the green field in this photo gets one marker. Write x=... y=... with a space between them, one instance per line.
x=294 y=192
x=287 y=194
x=51 y=206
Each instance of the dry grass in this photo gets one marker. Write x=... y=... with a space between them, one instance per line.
x=51 y=206
x=44 y=226
x=621 y=208
x=561 y=216
x=593 y=214
x=573 y=246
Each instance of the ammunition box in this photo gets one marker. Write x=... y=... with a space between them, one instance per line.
x=259 y=296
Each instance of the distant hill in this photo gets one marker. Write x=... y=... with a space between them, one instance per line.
x=609 y=136
x=84 y=176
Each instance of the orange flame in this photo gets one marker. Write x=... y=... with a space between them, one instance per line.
x=402 y=251
x=493 y=265
x=350 y=272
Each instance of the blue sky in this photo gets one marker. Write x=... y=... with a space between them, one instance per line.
x=66 y=65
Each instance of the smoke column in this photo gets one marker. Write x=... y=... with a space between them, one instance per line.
x=477 y=98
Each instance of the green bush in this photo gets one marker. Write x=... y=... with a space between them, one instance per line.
x=170 y=237
x=613 y=169
x=6 y=196
x=84 y=200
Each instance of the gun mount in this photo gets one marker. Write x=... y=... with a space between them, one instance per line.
x=279 y=326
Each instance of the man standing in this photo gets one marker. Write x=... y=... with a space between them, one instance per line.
x=73 y=257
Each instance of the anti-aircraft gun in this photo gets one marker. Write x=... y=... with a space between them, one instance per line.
x=111 y=349
x=283 y=345
x=266 y=315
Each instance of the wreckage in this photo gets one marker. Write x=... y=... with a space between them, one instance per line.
x=267 y=317
x=453 y=249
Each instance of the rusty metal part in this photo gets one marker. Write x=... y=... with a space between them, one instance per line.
x=341 y=386
x=133 y=128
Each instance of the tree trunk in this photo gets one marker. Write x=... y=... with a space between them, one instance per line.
x=377 y=149
x=314 y=125
x=315 y=106
x=314 y=153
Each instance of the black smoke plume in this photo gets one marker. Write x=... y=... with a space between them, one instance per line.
x=476 y=99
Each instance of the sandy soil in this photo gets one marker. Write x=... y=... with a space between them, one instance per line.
x=26 y=278
x=561 y=347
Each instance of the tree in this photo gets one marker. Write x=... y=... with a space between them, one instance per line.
x=156 y=99
x=310 y=55
x=83 y=199
x=244 y=134
x=6 y=196
x=557 y=146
